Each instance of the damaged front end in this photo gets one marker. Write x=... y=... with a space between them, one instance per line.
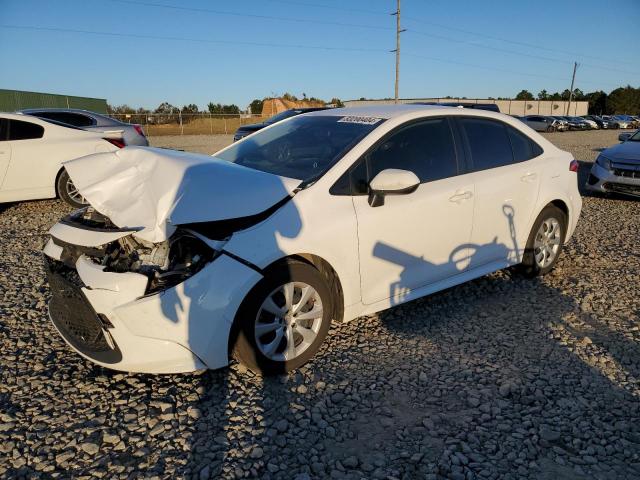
x=164 y=264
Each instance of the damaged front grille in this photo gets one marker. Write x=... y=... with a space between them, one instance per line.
x=75 y=318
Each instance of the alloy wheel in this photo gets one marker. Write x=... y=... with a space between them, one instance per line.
x=73 y=193
x=547 y=242
x=288 y=321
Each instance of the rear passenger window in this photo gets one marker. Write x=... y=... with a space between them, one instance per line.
x=19 y=130
x=523 y=147
x=425 y=148
x=488 y=142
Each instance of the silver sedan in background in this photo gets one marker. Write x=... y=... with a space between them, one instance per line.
x=86 y=120
x=540 y=123
x=617 y=168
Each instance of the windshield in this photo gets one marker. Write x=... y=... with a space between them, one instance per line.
x=304 y=147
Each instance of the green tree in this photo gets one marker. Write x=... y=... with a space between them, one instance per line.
x=256 y=106
x=597 y=102
x=524 y=95
x=337 y=102
x=543 y=95
x=624 y=100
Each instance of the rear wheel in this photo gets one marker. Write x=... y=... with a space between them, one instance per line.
x=68 y=192
x=545 y=242
x=284 y=319
x=550 y=129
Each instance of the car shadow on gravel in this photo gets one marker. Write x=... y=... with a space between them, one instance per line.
x=524 y=382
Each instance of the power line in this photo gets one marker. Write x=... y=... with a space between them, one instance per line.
x=251 y=15
x=498 y=69
x=190 y=39
x=515 y=42
x=513 y=52
x=377 y=27
x=470 y=32
x=268 y=44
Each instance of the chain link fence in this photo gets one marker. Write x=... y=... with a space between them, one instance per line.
x=156 y=124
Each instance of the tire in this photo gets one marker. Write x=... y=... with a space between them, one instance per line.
x=550 y=129
x=251 y=349
x=64 y=187
x=538 y=261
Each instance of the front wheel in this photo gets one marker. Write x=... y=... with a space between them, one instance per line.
x=68 y=192
x=545 y=242
x=550 y=129
x=283 y=321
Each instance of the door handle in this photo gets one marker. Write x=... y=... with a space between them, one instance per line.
x=461 y=196
x=529 y=177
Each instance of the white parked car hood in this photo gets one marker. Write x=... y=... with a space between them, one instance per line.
x=153 y=190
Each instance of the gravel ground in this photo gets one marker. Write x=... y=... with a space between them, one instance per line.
x=502 y=377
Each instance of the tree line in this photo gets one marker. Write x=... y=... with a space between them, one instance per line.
x=620 y=100
x=170 y=112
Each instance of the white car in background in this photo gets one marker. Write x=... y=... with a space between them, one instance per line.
x=32 y=152
x=184 y=259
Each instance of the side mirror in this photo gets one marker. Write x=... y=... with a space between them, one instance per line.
x=391 y=181
x=623 y=137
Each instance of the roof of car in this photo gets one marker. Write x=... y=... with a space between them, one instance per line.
x=69 y=110
x=389 y=111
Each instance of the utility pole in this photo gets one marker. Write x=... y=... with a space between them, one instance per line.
x=397 y=50
x=573 y=79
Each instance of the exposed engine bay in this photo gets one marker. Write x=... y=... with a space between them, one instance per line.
x=165 y=264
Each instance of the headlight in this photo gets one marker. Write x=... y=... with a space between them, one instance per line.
x=604 y=162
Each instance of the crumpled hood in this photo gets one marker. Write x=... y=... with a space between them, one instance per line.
x=627 y=151
x=153 y=190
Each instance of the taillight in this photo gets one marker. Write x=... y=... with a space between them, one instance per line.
x=573 y=166
x=118 y=142
x=138 y=129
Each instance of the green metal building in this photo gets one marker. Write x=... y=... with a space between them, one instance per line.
x=12 y=100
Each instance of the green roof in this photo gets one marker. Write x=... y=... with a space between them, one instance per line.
x=12 y=100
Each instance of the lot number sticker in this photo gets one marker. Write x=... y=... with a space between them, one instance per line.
x=363 y=120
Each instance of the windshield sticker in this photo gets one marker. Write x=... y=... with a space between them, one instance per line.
x=363 y=120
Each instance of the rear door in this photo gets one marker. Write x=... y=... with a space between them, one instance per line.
x=507 y=178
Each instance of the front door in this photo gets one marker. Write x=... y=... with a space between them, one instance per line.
x=421 y=237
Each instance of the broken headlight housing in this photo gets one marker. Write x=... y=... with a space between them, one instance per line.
x=165 y=264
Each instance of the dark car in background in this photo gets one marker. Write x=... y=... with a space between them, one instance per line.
x=601 y=122
x=245 y=130
x=132 y=133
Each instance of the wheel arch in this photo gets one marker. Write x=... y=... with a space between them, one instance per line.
x=55 y=182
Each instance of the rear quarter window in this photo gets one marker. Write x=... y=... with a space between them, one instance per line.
x=523 y=147
x=19 y=130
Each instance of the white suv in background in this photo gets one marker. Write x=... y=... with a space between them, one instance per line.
x=183 y=260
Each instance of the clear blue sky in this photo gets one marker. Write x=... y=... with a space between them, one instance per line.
x=256 y=48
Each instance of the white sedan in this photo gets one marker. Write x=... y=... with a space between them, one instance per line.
x=184 y=260
x=32 y=152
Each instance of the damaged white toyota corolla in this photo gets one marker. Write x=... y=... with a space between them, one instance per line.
x=182 y=261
